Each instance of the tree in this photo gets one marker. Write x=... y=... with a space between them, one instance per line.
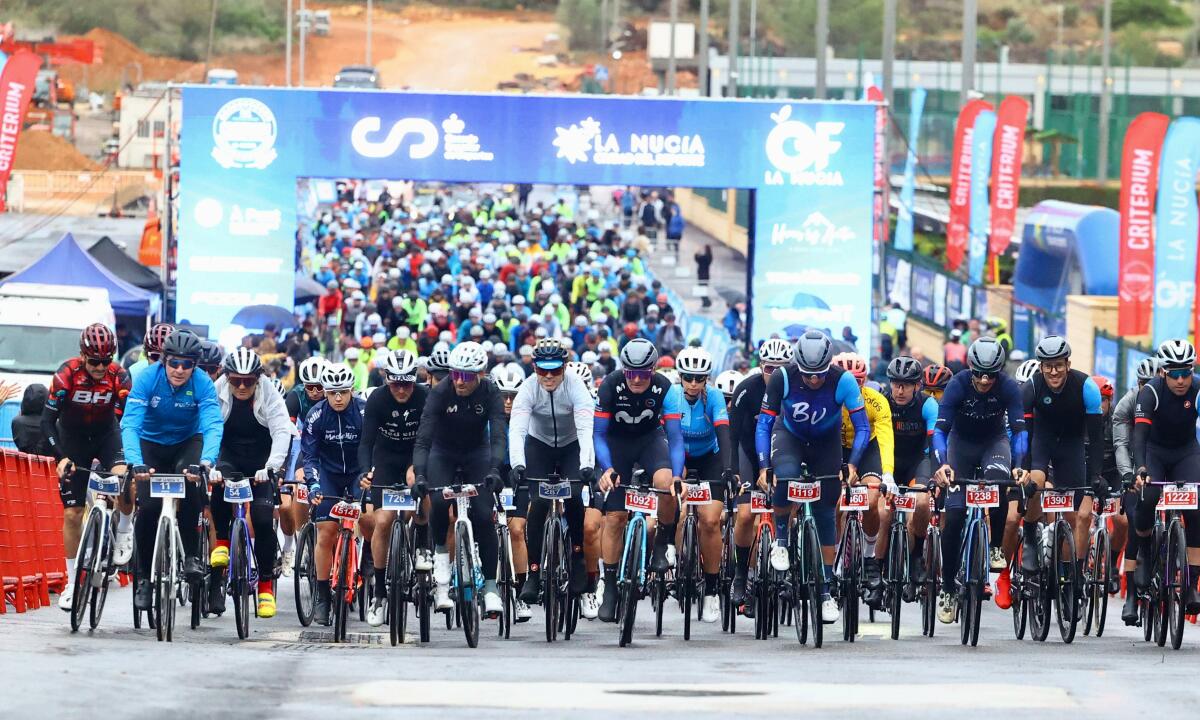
x=1149 y=13
x=581 y=18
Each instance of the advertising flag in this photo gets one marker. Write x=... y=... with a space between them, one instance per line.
x=904 y=218
x=960 y=184
x=16 y=90
x=981 y=167
x=1177 y=222
x=1008 y=151
x=1139 y=185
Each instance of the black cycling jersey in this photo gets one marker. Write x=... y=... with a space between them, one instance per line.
x=743 y=414
x=911 y=427
x=1163 y=418
x=632 y=414
x=459 y=425
x=390 y=428
x=1056 y=418
x=245 y=443
x=297 y=402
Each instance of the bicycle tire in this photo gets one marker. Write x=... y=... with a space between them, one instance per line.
x=468 y=595
x=1103 y=578
x=815 y=580
x=85 y=562
x=100 y=594
x=1176 y=577
x=725 y=579
x=1066 y=582
x=398 y=577
x=550 y=560
x=1020 y=604
x=933 y=581
x=1039 y=592
x=762 y=610
x=658 y=587
x=969 y=581
x=134 y=564
x=1159 y=586
x=568 y=604
x=199 y=609
x=164 y=591
x=627 y=587
x=304 y=574
x=424 y=606
x=239 y=574
x=505 y=582
x=851 y=567
x=1091 y=570
x=364 y=586
x=339 y=589
x=688 y=562
x=897 y=571
x=982 y=570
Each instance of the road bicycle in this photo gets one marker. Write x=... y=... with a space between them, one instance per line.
x=689 y=576
x=304 y=569
x=762 y=585
x=401 y=559
x=1162 y=601
x=641 y=500
x=560 y=606
x=1099 y=571
x=848 y=558
x=166 y=569
x=932 y=560
x=345 y=582
x=466 y=575
x=729 y=611
x=242 y=576
x=94 y=567
x=806 y=575
x=506 y=574
x=898 y=570
x=1055 y=582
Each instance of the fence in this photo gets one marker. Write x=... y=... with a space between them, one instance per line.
x=1117 y=358
x=75 y=193
x=32 y=561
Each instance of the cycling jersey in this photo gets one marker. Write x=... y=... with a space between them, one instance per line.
x=81 y=404
x=457 y=426
x=879 y=419
x=268 y=421
x=329 y=444
x=1122 y=431
x=1058 y=422
x=390 y=431
x=912 y=427
x=555 y=419
x=701 y=418
x=743 y=415
x=629 y=416
x=1163 y=419
x=811 y=415
x=165 y=415
x=298 y=403
x=979 y=417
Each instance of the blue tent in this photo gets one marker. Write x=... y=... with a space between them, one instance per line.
x=1066 y=249
x=68 y=263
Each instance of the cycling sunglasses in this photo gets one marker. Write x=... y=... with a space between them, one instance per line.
x=1179 y=373
x=406 y=384
x=316 y=387
x=980 y=375
x=97 y=361
x=693 y=378
x=544 y=372
x=181 y=363
x=154 y=356
x=638 y=375
x=242 y=381
x=463 y=376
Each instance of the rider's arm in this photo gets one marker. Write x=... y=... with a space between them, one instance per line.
x=945 y=421
x=606 y=397
x=881 y=428
x=1094 y=421
x=583 y=407
x=518 y=423
x=1147 y=404
x=1122 y=421
x=672 y=415
x=135 y=414
x=1016 y=421
x=497 y=427
x=370 y=428
x=435 y=406
x=279 y=424
x=124 y=385
x=929 y=413
x=848 y=396
x=212 y=425
x=309 y=451
x=720 y=421
x=772 y=401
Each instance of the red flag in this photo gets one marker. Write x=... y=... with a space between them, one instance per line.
x=16 y=89
x=1008 y=149
x=875 y=95
x=1139 y=188
x=960 y=184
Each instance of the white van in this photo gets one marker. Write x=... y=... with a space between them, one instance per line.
x=40 y=326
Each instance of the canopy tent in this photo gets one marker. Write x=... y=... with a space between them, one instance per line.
x=125 y=267
x=67 y=263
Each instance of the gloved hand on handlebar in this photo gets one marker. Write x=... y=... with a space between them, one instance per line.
x=493 y=481
x=587 y=475
x=516 y=476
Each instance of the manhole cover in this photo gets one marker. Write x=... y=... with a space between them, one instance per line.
x=326 y=636
x=686 y=693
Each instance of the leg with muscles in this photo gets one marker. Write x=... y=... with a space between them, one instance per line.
x=439 y=525
x=668 y=513
x=262 y=519
x=593 y=522
x=1117 y=542
x=612 y=544
x=710 y=554
x=327 y=531
x=380 y=542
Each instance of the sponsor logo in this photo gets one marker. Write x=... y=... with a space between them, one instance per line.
x=422 y=137
x=624 y=417
x=87 y=397
x=244 y=133
x=801 y=153
x=460 y=145
x=209 y=213
x=1173 y=293
x=586 y=141
x=1137 y=281
x=816 y=231
x=252 y=222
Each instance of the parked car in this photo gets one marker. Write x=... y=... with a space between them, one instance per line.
x=357 y=76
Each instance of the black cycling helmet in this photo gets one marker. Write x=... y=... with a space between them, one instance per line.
x=211 y=355
x=638 y=354
x=183 y=344
x=903 y=368
x=986 y=355
x=1052 y=347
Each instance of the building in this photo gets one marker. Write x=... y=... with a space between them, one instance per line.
x=142 y=127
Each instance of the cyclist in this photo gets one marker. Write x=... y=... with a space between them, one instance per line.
x=1027 y=370
x=727 y=382
x=80 y=422
x=463 y=429
x=211 y=356
x=172 y=422
x=638 y=416
x=508 y=379
x=876 y=467
x=551 y=431
x=809 y=397
x=254 y=443
x=1066 y=429
x=593 y=517
x=152 y=346
x=971 y=433
x=390 y=424
x=1165 y=450
x=914 y=415
x=329 y=450
x=1012 y=515
x=773 y=353
x=1122 y=430
x=307 y=392
x=1112 y=480
x=439 y=363
x=708 y=452
x=934 y=380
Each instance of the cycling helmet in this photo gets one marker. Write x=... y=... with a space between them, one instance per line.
x=367 y=393
x=183 y=344
x=1106 y=388
x=278 y=385
x=1052 y=347
x=243 y=361
x=337 y=376
x=549 y=354
x=670 y=374
x=936 y=377
x=852 y=363
x=1027 y=370
x=814 y=352
x=157 y=337
x=775 y=351
x=986 y=355
x=1147 y=369
x=694 y=361
x=903 y=368
x=439 y=358
x=400 y=366
x=508 y=377
x=311 y=369
x=1176 y=354
x=468 y=357
x=727 y=381
x=585 y=374
x=639 y=354
x=97 y=341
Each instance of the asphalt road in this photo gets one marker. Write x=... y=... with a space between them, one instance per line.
x=281 y=672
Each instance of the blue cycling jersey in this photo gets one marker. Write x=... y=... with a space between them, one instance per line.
x=700 y=421
x=811 y=415
x=166 y=415
x=981 y=416
x=329 y=444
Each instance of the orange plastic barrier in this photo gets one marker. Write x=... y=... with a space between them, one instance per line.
x=32 y=562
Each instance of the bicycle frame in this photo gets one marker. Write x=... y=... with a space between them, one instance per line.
x=168 y=517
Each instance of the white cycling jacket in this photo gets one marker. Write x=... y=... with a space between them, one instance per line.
x=271 y=412
x=556 y=419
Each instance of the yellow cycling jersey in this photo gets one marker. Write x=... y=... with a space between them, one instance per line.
x=879 y=417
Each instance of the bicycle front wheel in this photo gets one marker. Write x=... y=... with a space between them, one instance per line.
x=1176 y=581
x=164 y=587
x=689 y=567
x=728 y=612
x=933 y=581
x=851 y=575
x=468 y=594
x=399 y=575
x=505 y=581
x=627 y=587
x=551 y=557
x=86 y=562
x=1102 y=574
x=763 y=586
x=340 y=589
x=814 y=580
x=199 y=608
x=99 y=594
x=1020 y=604
x=304 y=574
x=239 y=577
x=897 y=576
x=1066 y=582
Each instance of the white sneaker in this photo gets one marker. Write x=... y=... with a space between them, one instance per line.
x=377 y=613
x=524 y=612
x=829 y=611
x=67 y=597
x=779 y=557
x=424 y=561
x=289 y=563
x=441 y=568
x=123 y=550
x=441 y=597
x=589 y=605
x=712 y=609
x=670 y=556
x=945 y=608
x=492 y=605
x=997 y=560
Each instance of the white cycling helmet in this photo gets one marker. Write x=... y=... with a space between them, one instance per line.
x=337 y=376
x=1147 y=369
x=311 y=371
x=400 y=365
x=508 y=377
x=671 y=374
x=727 y=381
x=439 y=358
x=1177 y=354
x=243 y=361
x=694 y=361
x=468 y=357
x=278 y=385
x=584 y=371
x=775 y=351
x=1028 y=369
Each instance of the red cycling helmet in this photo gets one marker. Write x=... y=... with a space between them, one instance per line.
x=1106 y=388
x=97 y=341
x=936 y=377
x=853 y=364
x=156 y=337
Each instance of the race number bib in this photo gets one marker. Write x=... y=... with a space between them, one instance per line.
x=758 y=503
x=238 y=491
x=1112 y=506
x=1056 y=502
x=904 y=503
x=803 y=492
x=345 y=511
x=301 y=493
x=698 y=494
x=646 y=502
x=167 y=487
x=508 y=499
x=1179 y=498
x=554 y=491
x=398 y=500
x=857 y=500
x=104 y=485
x=983 y=496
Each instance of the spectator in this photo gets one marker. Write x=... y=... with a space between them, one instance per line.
x=954 y=351
x=269 y=340
x=673 y=221
x=849 y=336
x=670 y=336
x=898 y=319
x=27 y=427
x=703 y=269
x=733 y=322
